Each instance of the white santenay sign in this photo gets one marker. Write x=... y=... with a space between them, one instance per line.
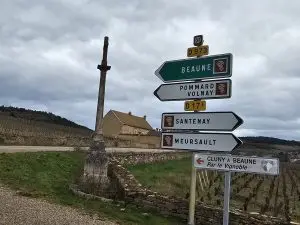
x=193 y=90
x=237 y=163
x=218 y=121
x=222 y=142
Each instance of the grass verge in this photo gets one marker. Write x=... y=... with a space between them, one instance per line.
x=170 y=177
x=47 y=175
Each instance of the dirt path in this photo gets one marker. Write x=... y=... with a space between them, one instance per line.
x=15 y=148
x=19 y=210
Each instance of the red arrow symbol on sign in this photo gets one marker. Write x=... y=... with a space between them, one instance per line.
x=200 y=161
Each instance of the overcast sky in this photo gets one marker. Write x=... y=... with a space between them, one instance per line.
x=50 y=50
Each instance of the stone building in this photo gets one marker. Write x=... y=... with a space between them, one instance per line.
x=118 y=124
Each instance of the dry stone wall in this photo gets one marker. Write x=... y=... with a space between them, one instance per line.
x=143 y=140
x=131 y=191
x=129 y=158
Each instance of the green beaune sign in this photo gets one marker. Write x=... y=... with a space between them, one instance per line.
x=214 y=66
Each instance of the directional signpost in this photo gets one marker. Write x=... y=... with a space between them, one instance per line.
x=195 y=105
x=224 y=142
x=198 y=51
x=198 y=40
x=231 y=163
x=207 y=121
x=215 y=89
x=184 y=130
x=214 y=66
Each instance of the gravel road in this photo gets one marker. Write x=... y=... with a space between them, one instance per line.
x=20 y=210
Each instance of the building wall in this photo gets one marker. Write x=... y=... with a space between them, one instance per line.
x=111 y=125
x=125 y=129
x=149 y=141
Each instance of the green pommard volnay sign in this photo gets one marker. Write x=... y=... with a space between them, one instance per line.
x=213 y=66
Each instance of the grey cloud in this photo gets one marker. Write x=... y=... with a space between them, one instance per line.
x=50 y=50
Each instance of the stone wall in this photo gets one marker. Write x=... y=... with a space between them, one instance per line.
x=44 y=141
x=129 y=158
x=131 y=191
x=125 y=129
x=143 y=140
x=115 y=142
x=61 y=140
x=22 y=138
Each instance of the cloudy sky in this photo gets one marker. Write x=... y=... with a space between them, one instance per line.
x=50 y=49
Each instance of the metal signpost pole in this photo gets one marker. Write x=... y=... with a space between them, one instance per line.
x=194 y=171
x=226 y=198
x=192 y=194
x=233 y=163
x=195 y=70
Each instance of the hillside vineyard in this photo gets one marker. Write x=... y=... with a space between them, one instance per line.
x=276 y=196
x=22 y=127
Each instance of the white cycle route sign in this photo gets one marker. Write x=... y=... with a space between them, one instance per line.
x=232 y=163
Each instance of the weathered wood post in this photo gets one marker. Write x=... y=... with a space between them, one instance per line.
x=96 y=164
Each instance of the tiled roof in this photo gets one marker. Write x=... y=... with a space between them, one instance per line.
x=131 y=120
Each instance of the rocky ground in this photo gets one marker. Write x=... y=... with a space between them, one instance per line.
x=20 y=210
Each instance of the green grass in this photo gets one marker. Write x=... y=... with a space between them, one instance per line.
x=47 y=175
x=171 y=177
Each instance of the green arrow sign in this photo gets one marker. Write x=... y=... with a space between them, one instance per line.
x=214 y=66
